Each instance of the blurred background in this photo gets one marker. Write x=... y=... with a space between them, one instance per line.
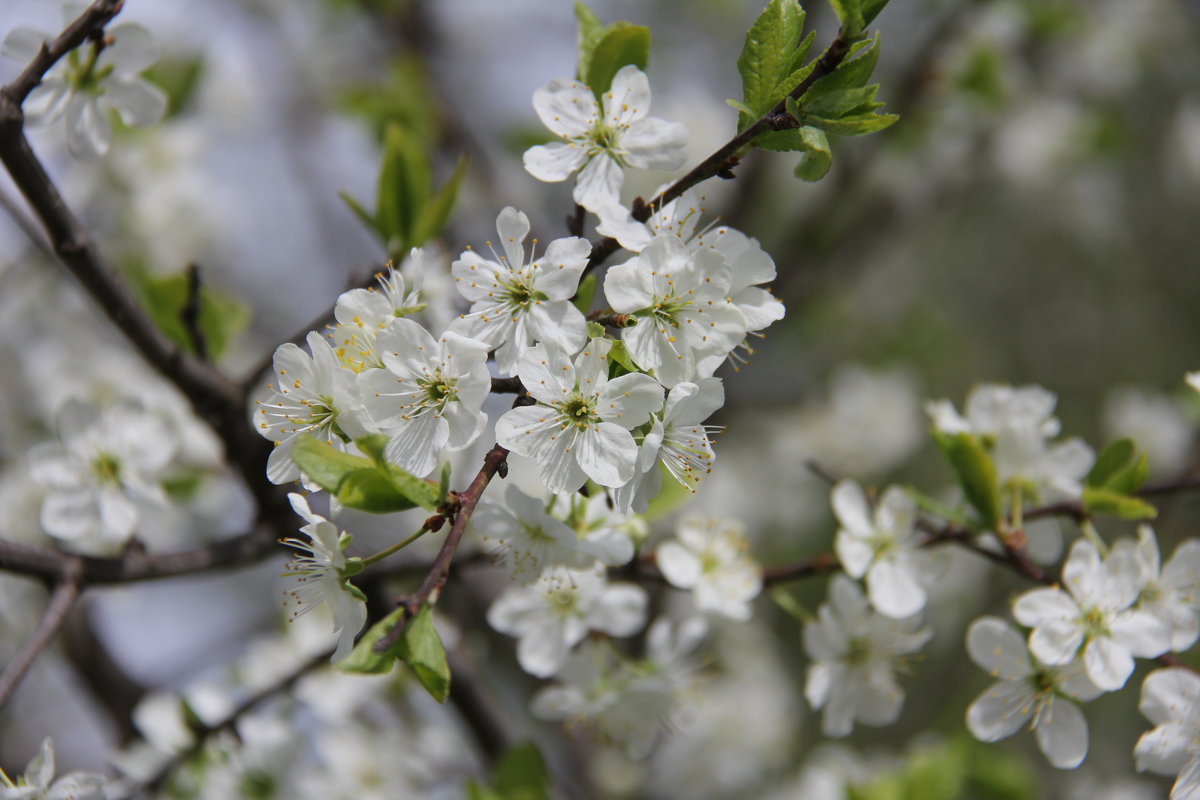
x=1030 y=219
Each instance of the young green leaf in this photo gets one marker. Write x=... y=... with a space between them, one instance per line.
x=521 y=774
x=585 y=294
x=433 y=217
x=1119 y=468
x=591 y=31
x=421 y=648
x=1105 y=501
x=850 y=15
x=324 y=464
x=852 y=73
x=403 y=189
x=767 y=56
x=444 y=484
x=857 y=125
x=975 y=471
x=363 y=216
x=372 y=491
x=622 y=44
x=817 y=155
x=164 y=297
x=363 y=659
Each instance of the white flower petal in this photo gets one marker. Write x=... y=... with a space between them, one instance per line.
x=994 y=645
x=555 y=161
x=679 y=565
x=1000 y=711
x=607 y=453
x=653 y=143
x=1056 y=641
x=567 y=108
x=599 y=183
x=1108 y=663
x=1062 y=734
x=850 y=506
x=88 y=129
x=139 y=102
x=894 y=590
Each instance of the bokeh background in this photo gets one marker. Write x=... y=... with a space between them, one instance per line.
x=1031 y=219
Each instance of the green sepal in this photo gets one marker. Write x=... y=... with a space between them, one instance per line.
x=354 y=565
x=975 y=472
x=619 y=362
x=1119 y=468
x=1105 y=501
x=595 y=330
x=444 y=484
x=363 y=659
x=585 y=294
x=591 y=31
x=164 y=297
x=623 y=43
x=818 y=156
x=767 y=57
x=421 y=648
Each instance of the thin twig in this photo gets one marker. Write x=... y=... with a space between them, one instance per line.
x=89 y=24
x=189 y=315
x=493 y=462
x=66 y=592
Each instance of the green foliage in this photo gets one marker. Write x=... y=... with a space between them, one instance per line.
x=975 y=472
x=604 y=49
x=1118 y=473
x=949 y=771
x=769 y=56
x=520 y=774
x=164 y=297
x=367 y=484
x=817 y=156
x=856 y=15
x=408 y=212
x=178 y=77
x=619 y=362
x=419 y=646
x=585 y=294
x=404 y=99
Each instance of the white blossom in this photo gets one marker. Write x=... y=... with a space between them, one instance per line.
x=38 y=782
x=1028 y=692
x=580 y=427
x=679 y=439
x=992 y=407
x=1171 y=700
x=1042 y=471
x=362 y=314
x=106 y=463
x=429 y=396
x=529 y=539
x=710 y=556
x=1094 y=616
x=883 y=546
x=557 y=611
x=601 y=139
x=855 y=654
x=90 y=82
x=517 y=299
x=1193 y=380
x=1168 y=591
x=679 y=302
x=321 y=576
x=313 y=394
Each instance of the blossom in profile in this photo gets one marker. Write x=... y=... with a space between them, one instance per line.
x=321 y=576
x=1169 y=591
x=601 y=139
x=1026 y=691
x=90 y=82
x=362 y=314
x=38 y=782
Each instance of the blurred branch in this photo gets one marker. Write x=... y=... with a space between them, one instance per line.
x=136 y=565
x=94 y=665
x=66 y=592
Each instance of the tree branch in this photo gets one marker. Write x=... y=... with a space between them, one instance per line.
x=89 y=24
x=66 y=592
x=493 y=462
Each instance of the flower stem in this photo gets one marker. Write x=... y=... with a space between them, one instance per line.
x=382 y=554
x=1088 y=529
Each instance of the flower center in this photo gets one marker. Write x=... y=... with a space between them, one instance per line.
x=1095 y=623
x=858 y=652
x=667 y=309
x=579 y=411
x=518 y=292
x=439 y=390
x=107 y=469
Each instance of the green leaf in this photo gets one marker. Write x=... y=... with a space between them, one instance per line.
x=179 y=78
x=842 y=103
x=437 y=211
x=618 y=357
x=370 y=490
x=421 y=648
x=1120 y=468
x=817 y=155
x=622 y=44
x=767 y=56
x=870 y=9
x=164 y=297
x=363 y=216
x=444 y=484
x=591 y=31
x=417 y=491
x=975 y=471
x=403 y=188
x=363 y=658
x=521 y=774
x=367 y=484
x=850 y=15
x=324 y=464
x=740 y=106
x=853 y=126
x=852 y=73
x=1104 y=501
